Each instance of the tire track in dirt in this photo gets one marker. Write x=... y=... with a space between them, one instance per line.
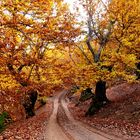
x=62 y=125
x=78 y=130
x=54 y=131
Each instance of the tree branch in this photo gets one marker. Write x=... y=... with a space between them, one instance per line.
x=91 y=49
x=88 y=61
x=21 y=67
x=30 y=73
x=17 y=76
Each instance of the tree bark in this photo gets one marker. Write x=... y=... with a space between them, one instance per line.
x=100 y=91
x=99 y=100
x=85 y=95
x=31 y=96
x=29 y=103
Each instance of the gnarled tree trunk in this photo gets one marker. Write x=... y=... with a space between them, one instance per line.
x=29 y=103
x=31 y=96
x=99 y=100
x=85 y=95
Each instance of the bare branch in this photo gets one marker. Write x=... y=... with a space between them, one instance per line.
x=21 y=67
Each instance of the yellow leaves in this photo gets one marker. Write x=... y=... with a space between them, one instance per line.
x=127 y=59
x=125 y=42
x=48 y=29
x=6 y=82
x=85 y=75
x=126 y=31
x=123 y=75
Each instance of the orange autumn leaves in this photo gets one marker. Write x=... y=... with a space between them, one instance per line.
x=39 y=39
x=28 y=30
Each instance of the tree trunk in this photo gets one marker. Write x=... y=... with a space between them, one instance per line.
x=99 y=100
x=85 y=95
x=29 y=103
x=31 y=96
x=100 y=91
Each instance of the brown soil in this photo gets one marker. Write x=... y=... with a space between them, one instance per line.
x=121 y=117
x=62 y=126
x=77 y=130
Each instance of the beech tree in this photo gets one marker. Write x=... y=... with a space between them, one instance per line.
x=110 y=49
x=28 y=30
x=40 y=47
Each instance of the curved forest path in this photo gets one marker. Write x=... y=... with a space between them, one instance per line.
x=54 y=131
x=62 y=125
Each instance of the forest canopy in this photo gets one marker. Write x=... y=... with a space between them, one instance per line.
x=43 y=45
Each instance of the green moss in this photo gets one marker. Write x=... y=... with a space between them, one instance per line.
x=3 y=119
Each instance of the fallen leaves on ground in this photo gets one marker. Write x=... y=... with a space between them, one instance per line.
x=120 y=118
x=30 y=129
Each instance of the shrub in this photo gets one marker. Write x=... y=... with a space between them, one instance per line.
x=4 y=120
x=42 y=100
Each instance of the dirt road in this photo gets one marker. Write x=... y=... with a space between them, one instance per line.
x=54 y=131
x=62 y=126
